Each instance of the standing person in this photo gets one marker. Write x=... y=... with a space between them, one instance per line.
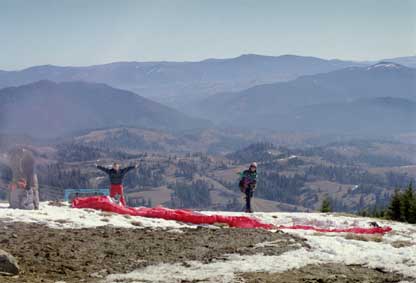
x=116 y=175
x=248 y=184
x=24 y=189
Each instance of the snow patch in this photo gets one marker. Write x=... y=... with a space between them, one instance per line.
x=384 y=65
x=324 y=248
x=66 y=217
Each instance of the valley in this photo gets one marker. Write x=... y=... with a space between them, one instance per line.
x=200 y=170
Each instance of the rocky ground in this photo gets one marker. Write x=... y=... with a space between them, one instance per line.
x=75 y=255
x=324 y=273
x=88 y=255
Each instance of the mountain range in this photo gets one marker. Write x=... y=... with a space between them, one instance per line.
x=381 y=116
x=303 y=92
x=49 y=109
x=408 y=61
x=298 y=104
x=181 y=83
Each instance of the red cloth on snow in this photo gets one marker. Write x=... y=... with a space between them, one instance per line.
x=106 y=204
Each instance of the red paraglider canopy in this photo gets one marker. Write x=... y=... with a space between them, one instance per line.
x=106 y=204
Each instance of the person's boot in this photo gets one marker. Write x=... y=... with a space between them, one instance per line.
x=116 y=199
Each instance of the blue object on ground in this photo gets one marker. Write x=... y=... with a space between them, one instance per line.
x=78 y=192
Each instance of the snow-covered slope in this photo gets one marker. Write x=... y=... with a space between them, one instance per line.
x=395 y=251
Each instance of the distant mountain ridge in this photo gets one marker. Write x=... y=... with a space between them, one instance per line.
x=49 y=109
x=303 y=83
x=408 y=61
x=379 y=80
x=282 y=105
x=178 y=83
x=381 y=116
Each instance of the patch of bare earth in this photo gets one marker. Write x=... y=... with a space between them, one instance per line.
x=324 y=273
x=402 y=244
x=358 y=237
x=87 y=255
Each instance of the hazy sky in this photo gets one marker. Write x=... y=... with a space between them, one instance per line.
x=85 y=32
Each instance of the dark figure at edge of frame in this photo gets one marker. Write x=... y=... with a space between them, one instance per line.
x=24 y=188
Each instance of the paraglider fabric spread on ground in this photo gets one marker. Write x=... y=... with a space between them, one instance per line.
x=105 y=203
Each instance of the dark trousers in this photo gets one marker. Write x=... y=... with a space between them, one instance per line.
x=249 y=195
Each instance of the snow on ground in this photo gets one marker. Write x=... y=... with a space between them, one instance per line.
x=324 y=247
x=323 y=250
x=66 y=217
x=384 y=65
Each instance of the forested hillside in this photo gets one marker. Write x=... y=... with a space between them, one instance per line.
x=353 y=175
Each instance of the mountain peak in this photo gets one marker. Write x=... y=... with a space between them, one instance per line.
x=46 y=109
x=385 y=65
x=250 y=56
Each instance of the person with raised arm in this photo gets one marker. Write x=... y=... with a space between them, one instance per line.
x=116 y=175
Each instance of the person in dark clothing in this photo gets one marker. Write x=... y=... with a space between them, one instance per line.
x=116 y=175
x=248 y=183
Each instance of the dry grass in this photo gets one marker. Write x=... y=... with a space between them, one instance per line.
x=402 y=244
x=136 y=223
x=364 y=237
x=357 y=237
x=221 y=225
x=343 y=214
x=106 y=214
x=62 y=221
x=57 y=203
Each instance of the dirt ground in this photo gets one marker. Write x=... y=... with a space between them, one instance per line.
x=325 y=273
x=86 y=255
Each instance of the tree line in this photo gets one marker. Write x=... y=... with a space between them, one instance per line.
x=195 y=194
x=57 y=175
x=75 y=152
x=402 y=206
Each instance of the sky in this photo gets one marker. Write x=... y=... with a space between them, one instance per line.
x=81 y=32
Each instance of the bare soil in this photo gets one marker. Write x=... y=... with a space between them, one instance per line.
x=86 y=255
x=325 y=273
